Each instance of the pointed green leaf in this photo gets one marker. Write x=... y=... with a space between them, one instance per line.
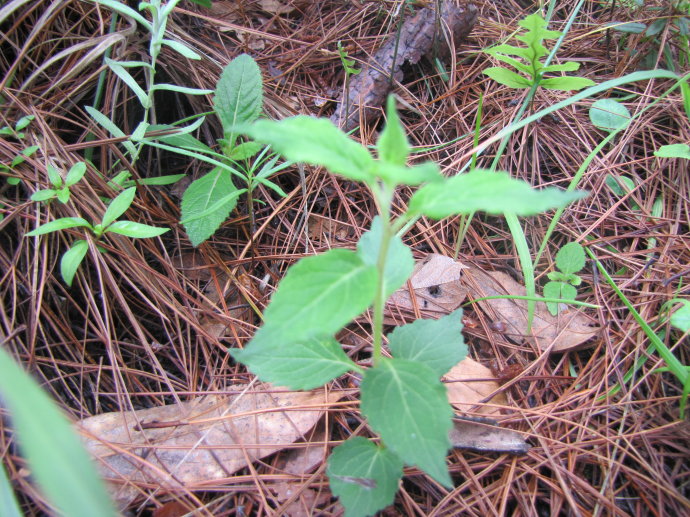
x=126 y=11
x=566 y=83
x=71 y=260
x=629 y=27
x=507 y=77
x=181 y=48
x=180 y=89
x=9 y=506
x=135 y=230
x=571 y=258
x=303 y=365
x=54 y=176
x=179 y=139
x=59 y=224
x=75 y=174
x=364 y=476
x=426 y=172
x=239 y=93
x=517 y=64
x=406 y=403
x=317 y=142
x=127 y=78
x=43 y=195
x=492 y=192
x=568 y=66
x=46 y=440
x=23 y=122
x=63 y=195
x=206 y=203
x=244 y=151
x=118 y=206
x=392 y=145
x=609 y=115
x=673 y=151
x=436 y=343
x=399 y=259
x=162 y=180
x=319 y=295
x=111 y=127
x=681 y=317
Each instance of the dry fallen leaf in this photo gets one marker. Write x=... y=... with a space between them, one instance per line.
x=484 y=435
x=185 y=446
x=568 y=330
x=435 y=281
x=326 y=230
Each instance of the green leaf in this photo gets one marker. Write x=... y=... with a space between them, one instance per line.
x=239 y=93
x=673 y=151
x=127 y=12
x=558 y=290
x=609 y=115
x=180 y=89
x=54 y=176
x=71 y=260
x=557 y=276
x=9 y=507
x=619 y=185
x=118 y=206
x=304 y=365
x=135 y=230
x=629 y=27
x=127 y=78
x=59 y=224
x=162 y=180
x=206 y=203
x=685 y=92
x=568 y=66
x=491 y=192
x=406 y=403
x=364 y=476
x=571 y=258
x=43 y=195
x=47 y=440
x=566 y=83
x=399 y=259
x=179 y=139
x=112 y=128
x=317 y=142
x=426 y=172
x=681 y=317
x=181 y=48
x=392 y=145
x=23 y=122
x=75 y=174
x=244 y=151
x=507 y=77
x=436 y=343
x=656 y=27
x=63 y=195
x=319 y=295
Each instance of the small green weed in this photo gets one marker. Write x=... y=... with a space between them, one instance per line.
x=73 y=257
x=570 y=259
x=16 y=132
x=531 y=67
x=402 y=397
x=60 y=190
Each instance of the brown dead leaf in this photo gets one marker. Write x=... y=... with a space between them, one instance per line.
x=326 y=230
x=484 y=435
x=470 y=383
x=568 y=330
x=184 y=446
x=435 y=282
x=305 y=503
x=276 y=7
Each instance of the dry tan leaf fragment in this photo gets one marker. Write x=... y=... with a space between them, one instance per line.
x=470 y=383
x=183 y=446
x=484 y=435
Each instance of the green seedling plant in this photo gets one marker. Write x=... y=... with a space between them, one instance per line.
x=527 y=60
x=350 y=70
x=74 y=256
x=17 y=133
x=208 y=201
x=61 y=188
x=402 y=397
x=562 y=284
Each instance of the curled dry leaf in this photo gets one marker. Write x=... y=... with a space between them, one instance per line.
x=484 y=435
x=187 y=446
x=437 y=290
x=568 y=330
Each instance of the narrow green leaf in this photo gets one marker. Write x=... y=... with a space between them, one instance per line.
x=681 y=317
x=239 y=93
x=673 y=151
x=656 y=27
x=629 y=27
x=317 y=142
x=609 y=115
x=126 y=11
x=303 y=365
x=492 y=192
x=180 y=89
x=399 y=259
x=127 y=78
x=140 y=131
x=135 y=230
x=268 y=183
x=568 y=66
x=426 y=172
x=179 y=139
x=516 y=63
x=406 y=403
x=75 y=174
x=619 y=185
x=364 y=476
x=507 y=77
x=9 y=507
x=118 y=206
x=43 y=195
x=71 y=260
x=162 y=180
x=181 y=48
x=436 y=343
x=23 y=122
x=571 y=258
x=112 y=128
x=392 y=145
x=245 y=150
x=319 y=295
x=54 y=176
x=59 y=224
x=566 y=83
x=206 y=203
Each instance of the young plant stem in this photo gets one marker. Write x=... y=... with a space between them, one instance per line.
x=384 y=198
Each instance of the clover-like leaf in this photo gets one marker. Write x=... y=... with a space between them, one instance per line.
x=571 y=258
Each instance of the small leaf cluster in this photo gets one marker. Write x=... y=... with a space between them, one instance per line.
x=16 y=132
x=73 y=257
x=402 y=397
x=569 y=260
x=527 y=60
x=208 y=201
x=60 y=190
x=347 y=62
